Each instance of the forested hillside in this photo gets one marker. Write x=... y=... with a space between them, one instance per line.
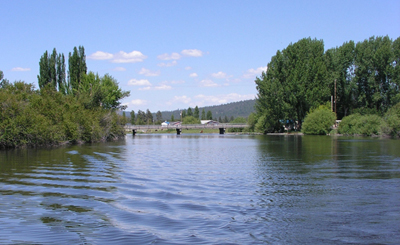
x=234 y=109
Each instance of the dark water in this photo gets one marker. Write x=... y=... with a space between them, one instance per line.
x=204 y=189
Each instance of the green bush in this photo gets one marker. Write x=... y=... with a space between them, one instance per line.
x=190 y=120
x=358 y=124
x=319 y=121
x=29 y=118
x=392 y=121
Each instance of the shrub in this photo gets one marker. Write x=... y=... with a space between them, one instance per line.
x=392 y=121
x=358 y=124
x=190 y=120
x=319 y=121
x=30 y=118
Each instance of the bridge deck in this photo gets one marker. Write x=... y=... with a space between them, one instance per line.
x=188 y=126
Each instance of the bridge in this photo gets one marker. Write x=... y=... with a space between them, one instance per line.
x=179 y=127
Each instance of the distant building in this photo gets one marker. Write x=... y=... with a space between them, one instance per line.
x=208 y=122
x=169 y=124
x=165 y=124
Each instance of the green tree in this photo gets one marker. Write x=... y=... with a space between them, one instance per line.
x=124 y=120
x=190 y=120
x=203 y=114
x=340 y=64
x=52 y=71
x=251 y=121
x=141 y=118
x=44 y=71
x=76 y=68
x=183 y=114
x=159 y=117
x=296 y=80
x=133 y=119
x=375 y=68
x=99 y=91
x=239 y=120
x=149 y=117
x=209 y=115
x=196 y=112
x=392 y=120
x=189 y=112
x=4 y=83
x=172 y=118
x=62 y=85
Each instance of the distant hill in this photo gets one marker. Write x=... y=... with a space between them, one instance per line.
x=234 y=109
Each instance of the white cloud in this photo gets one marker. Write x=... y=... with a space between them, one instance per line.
x=192 y=52
x=208 y=83
x=149 y=73
x=194 y=74
x=177 y=82
x=173 y=63
x=141 y=82
x=100 y=55
x=132 y=57
x=252 y=73
x=138 y=102
x=173 y=56
x=188 y=68
x=119 y=69
x=219 y=75
x=120 y=57
x=145 y=88
x=162 y=87
x=180 y=99
x=20 y=69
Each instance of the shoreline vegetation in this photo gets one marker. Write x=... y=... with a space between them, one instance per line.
x=308 y=88
x=82 y=108
x=305 y=89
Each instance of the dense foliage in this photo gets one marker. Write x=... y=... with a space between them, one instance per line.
x=392 y=121
x=83 y=109
x=319 y=121
x=357 y=124
x=47 y=117
x=190 y=120
x=302 y=76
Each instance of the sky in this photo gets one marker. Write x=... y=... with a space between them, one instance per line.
x=178 y=54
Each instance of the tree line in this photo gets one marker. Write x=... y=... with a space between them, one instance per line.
x=303 y=76
x=189 y=116
x=69 y=106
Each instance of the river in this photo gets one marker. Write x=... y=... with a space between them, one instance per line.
x=203 y=189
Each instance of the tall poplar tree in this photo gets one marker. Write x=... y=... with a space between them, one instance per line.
x=76 y=68
x=62 y=85
x=52 y=71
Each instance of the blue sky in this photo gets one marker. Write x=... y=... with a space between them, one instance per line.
x=176 y=54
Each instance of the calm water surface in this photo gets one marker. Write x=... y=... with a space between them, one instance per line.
x=204 y=189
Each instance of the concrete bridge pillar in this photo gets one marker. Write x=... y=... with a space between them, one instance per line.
x=178 y=131
x=221 y=130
